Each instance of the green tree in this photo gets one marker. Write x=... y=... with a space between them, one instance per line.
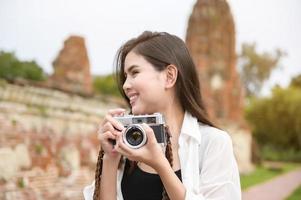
x=32 y=71
x=255 y=68
x=8 y=63
x=11 y=68
x=106 y=85
x=296 y=81
x=276 y=120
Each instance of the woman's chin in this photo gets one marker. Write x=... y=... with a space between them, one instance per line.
x=138 y=111
x=134 y=110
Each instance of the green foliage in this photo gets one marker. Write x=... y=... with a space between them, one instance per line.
x=276 y=120
x=39 y=148
x=106 y=85
x=11 y=68
x=42 y=111
x=14 y=122
x=271 y=153
x=255 y=68
x=296 y=194
x=296 y=81
x=21 y=183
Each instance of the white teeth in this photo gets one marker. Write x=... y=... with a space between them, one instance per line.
x=132 y=98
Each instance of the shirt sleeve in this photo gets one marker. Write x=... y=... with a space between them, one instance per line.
x=219 y=176
x=89 y=191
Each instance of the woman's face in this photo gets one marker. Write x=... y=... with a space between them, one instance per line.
x=144 y=85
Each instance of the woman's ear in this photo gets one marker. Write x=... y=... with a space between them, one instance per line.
x=171 y=76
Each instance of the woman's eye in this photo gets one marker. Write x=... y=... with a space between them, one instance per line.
x=134 y=73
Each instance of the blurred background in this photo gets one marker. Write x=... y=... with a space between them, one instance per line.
x=57 y=83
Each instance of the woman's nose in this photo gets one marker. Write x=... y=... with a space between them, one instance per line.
x=126 y=85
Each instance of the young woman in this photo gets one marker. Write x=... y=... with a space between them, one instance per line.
x=156 y=74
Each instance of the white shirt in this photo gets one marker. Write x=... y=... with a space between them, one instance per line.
x=208 y=166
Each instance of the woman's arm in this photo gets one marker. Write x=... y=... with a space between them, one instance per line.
x=172 y=184
x=109 y=178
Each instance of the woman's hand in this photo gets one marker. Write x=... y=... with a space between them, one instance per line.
x=108 y=131
x=151 y=153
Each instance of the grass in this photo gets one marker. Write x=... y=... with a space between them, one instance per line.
x=296 y=194
x=262 y=174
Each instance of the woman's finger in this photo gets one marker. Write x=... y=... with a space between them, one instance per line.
x=122 y=146
x=108 y=127
x=116 y=112
x=115 y=123
x=107 y=135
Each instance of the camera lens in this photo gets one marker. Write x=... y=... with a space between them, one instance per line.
x=134 y=136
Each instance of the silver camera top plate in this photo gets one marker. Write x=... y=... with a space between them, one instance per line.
x=156 y=118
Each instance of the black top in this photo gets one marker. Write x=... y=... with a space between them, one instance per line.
x=140 y=185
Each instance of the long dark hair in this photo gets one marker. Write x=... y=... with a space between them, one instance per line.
x=162 y=49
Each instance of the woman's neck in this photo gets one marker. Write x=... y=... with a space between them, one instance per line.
x=174 y=116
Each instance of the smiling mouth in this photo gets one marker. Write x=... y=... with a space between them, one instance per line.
x=133 y=98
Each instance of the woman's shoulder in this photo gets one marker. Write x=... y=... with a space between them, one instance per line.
x=213 y=135
x=204 y=133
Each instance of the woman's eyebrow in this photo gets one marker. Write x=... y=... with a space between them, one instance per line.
x=131 y=68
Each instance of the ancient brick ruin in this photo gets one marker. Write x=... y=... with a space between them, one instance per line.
x=211 y=41
x=72 y=68
x=47 y=142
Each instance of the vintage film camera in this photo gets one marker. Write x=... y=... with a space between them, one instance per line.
x=134 y=136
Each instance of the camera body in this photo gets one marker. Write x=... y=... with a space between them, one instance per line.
x=134 y=136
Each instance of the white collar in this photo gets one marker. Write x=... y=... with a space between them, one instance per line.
x=190 y=127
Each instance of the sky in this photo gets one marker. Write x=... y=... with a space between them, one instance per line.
x=36 y=30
